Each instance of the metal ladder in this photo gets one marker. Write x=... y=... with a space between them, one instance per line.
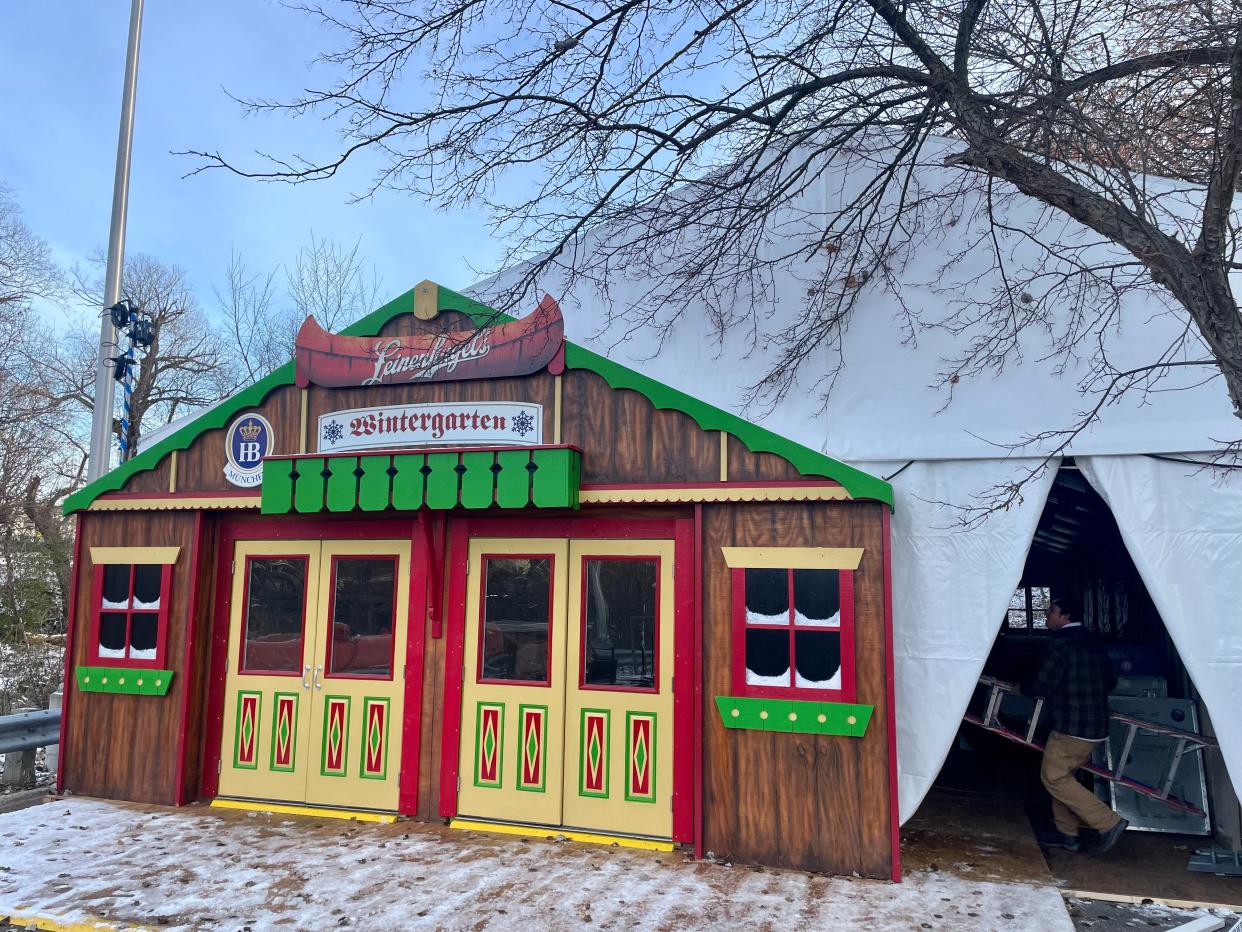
x=1186 y=742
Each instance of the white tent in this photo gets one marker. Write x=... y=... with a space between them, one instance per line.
x=887 y=414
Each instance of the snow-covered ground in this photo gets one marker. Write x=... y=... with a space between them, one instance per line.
x=80 y=860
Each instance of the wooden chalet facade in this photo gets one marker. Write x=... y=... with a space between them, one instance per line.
x=548 y=593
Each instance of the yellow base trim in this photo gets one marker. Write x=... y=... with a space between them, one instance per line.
x=711 y=493
x=24 y=918
x=246 y=805
x=186 y=503
x=1146 y=900
x=540 y=831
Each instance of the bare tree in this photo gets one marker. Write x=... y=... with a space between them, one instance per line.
x=331 y=282
x=253 y=327
x=187 y=365
x=39 y=465
x=326 y=279
x=621 y=134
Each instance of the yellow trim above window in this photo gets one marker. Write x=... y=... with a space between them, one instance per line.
x=793 y=558
x=105 y=555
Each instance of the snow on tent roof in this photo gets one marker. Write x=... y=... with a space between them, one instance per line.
x=756 y=438
x=890 y=401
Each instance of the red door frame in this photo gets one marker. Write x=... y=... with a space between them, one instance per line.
x=347 y=527
x=686 y=624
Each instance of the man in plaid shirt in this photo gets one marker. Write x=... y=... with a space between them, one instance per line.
x=1074 y=681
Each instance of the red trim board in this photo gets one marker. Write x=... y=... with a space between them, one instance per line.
x=186 y=674
x=696 y=609
x=66 y=688
x=890 y=717
x=411 y=729
x=459 y=553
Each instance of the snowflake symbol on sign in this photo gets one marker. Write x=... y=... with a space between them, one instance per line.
x=523 y=423
x=332 y=432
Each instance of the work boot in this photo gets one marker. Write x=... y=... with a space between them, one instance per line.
x=1110 y=838
x=1057 y=839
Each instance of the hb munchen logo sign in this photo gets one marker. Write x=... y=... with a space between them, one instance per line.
x=248 y=440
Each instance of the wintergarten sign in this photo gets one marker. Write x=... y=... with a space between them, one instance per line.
x=493 y=424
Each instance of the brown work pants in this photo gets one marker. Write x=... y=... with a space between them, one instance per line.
x=1073 y=804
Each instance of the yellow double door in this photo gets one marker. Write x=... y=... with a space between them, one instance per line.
x=567 y=689
x=315 y=679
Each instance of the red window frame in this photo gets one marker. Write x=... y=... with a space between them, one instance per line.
x=242 y=669
x=582 y=620
x=741 y=688
x=482 y=621
x=97 y=612
x=331 y=626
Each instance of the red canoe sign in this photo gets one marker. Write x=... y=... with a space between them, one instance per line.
x=519 y=347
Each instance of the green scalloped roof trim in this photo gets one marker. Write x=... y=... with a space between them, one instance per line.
x=757 y=439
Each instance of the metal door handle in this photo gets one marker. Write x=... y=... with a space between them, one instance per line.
x=318 y=671
x=305 y=673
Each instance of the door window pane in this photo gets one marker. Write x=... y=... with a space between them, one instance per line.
x=363 y=608
x=619 y=624
x=275 y=612
x=513 y=644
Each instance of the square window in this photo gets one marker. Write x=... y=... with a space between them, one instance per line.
x=620 y=623
x=515 y=628
x=130 y=614
x=793 y=633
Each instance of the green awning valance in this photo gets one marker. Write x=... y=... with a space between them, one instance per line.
x=546 y=477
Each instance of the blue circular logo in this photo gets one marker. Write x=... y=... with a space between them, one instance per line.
x=248 y=440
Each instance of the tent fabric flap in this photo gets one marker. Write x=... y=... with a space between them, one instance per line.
x=1179 y=521
x=951 y=587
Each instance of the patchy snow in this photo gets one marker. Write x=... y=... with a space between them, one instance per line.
x=81 y=860
x=758 y=618
x=758 y=679
x=802 y=621
x=833 y=682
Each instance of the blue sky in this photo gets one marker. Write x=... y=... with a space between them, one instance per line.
x=61 y=67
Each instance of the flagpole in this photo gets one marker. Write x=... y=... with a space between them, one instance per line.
x=101 y=426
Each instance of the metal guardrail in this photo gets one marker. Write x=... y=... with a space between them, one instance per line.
x=27 y=730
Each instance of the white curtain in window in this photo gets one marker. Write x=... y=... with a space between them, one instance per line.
x=951 y=588
x=1182 y=525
